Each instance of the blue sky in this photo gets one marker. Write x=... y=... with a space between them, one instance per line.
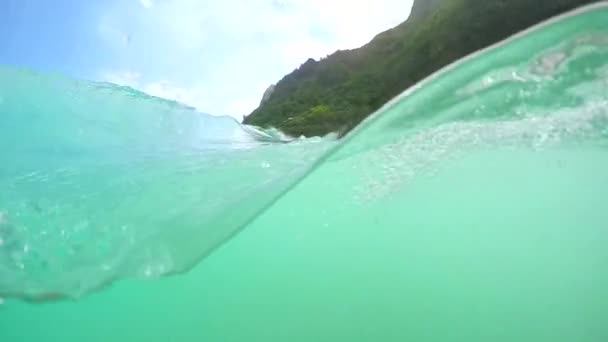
x=216 y=55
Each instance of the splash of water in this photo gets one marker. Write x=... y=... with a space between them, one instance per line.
x=102 y=182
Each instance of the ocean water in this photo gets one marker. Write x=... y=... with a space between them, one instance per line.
x=470 y=208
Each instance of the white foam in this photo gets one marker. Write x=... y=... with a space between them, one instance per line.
x=422 y=153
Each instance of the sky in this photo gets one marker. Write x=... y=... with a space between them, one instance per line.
x=218 y=56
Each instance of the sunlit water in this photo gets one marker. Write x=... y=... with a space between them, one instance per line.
x=469 y=209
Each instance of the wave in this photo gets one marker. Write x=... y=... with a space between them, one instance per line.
x=101 y=182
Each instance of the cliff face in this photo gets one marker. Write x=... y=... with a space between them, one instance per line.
x=338 y=92
x=423 y=8
x=267 y=94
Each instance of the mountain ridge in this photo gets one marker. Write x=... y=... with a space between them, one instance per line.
x=335 y=93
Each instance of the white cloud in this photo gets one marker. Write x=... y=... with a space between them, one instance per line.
x=235 y=48
x=113 y=34
x=146 y=3
x=126 y=78
x=191 y=96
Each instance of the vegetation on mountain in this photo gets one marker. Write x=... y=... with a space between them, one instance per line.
x=339 y=91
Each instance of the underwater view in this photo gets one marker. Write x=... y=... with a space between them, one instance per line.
x=468 y=208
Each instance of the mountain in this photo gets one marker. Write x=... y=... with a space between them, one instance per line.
x=422 y=8
x=339 y=91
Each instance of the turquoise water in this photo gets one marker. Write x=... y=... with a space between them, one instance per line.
x=469 y=209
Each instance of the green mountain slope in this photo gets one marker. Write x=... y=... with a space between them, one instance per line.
x=338 y=92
